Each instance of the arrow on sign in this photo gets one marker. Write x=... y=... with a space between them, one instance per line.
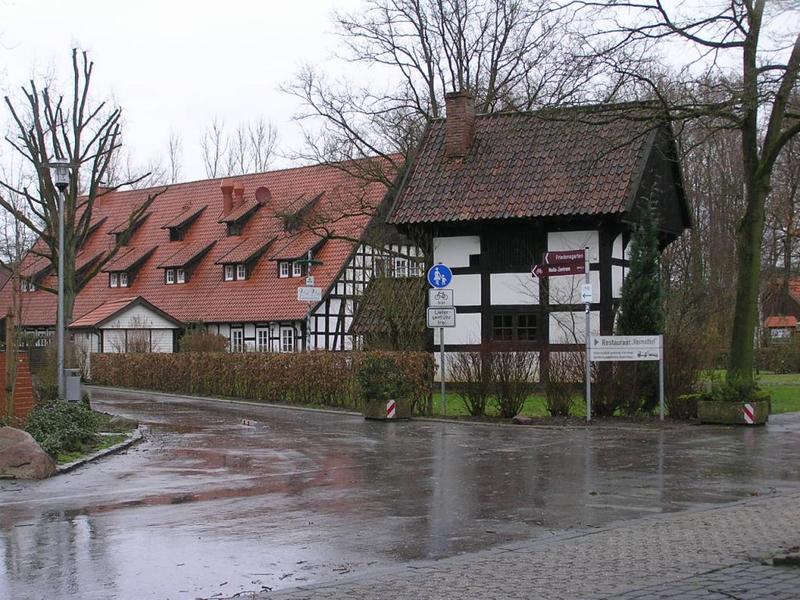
x=558 y=269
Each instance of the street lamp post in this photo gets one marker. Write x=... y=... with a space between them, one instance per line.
x=60 y=170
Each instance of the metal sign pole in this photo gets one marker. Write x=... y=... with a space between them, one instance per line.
x=661 y=377
x=587 y=280
x=441 y=362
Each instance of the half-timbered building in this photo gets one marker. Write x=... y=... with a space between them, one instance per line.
x=229 y=256
x=494 y=192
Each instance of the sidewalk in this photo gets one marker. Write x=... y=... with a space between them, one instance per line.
x=706 y=554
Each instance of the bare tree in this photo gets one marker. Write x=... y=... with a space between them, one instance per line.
x=50 y=126
x=510 y=53
x=214 y=147
x=749 y=58
x=250 y=148
x=174 y=157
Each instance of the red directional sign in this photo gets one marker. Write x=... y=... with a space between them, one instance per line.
x=563 y=269
x=565 y=262
x=565 y=256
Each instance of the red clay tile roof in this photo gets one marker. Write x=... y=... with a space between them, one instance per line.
x=296 y=247
x=33 y=265
x=110 y=309
x=102 y=312
x=241 y=212
x=127 y=259
x=186 y=216
x=573 y=161
x=88 y=257
x=205 y=297
x=122 y=225
x=187 y=253
x=781 y=321
x=246 y=251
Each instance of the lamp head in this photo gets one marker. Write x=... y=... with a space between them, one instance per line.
x=60 y=171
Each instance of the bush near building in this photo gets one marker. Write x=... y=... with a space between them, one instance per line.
x=309 y=378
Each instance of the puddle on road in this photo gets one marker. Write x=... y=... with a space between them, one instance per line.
x=211 y=504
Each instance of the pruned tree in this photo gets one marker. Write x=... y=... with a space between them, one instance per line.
x=47 y=126
x=512 y=54
x=745 y=56
x=174 y=157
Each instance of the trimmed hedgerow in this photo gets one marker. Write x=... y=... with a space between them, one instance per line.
x=326 y=378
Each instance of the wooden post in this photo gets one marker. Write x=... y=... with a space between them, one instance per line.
x=11 y=366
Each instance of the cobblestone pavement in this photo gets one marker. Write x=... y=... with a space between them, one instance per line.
x=704 y=554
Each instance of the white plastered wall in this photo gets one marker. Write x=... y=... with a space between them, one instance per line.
x=454 y=251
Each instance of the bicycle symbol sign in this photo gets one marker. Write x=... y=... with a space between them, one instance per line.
x=440 y=276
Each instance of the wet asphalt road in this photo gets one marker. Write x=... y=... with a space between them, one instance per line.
x=210 y=506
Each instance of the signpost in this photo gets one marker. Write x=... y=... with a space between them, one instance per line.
x=572 y=262
x=632 y=348
x=441 y=312
x=309 y=294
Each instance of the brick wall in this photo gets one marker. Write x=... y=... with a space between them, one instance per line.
x=24 y=400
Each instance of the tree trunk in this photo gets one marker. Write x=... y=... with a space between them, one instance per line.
x=11 y=367
x=749 y=236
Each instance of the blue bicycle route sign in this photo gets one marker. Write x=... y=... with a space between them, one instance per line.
x=440 y=276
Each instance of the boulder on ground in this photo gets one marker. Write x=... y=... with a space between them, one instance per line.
x=21 y=457
x=522 y=420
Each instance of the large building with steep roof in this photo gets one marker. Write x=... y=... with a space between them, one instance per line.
x=228 y=255
x=495 y=192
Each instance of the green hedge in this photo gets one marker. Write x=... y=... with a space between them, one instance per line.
x=326 y=378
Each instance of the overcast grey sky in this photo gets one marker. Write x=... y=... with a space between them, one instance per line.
x=174 y=64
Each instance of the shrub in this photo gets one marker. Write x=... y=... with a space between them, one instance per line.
x=63 y=426
x=200 y=340
x=565 y=372
x=327 y=378
x=380 y=378
x=472 y=371
x=684 y=359
x=683 y=406
x=514 y=374
x=735 y=390
x=606 y=389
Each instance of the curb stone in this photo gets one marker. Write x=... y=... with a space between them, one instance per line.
x=134 y=437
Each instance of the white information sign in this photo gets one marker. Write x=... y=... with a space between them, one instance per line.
x=625 y=347
x=586 y=293
x=310 y=281
x=440 y=298
x=442 y=317
x=309 y=294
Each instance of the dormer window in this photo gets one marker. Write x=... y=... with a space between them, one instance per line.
x=229 y=273
x=241 y=272
x=176 y=234
x=180 y=275
x=123 y=280
x=237 y=272
x=235 y=228
x=113 y=280
x=297 y=269
x=170 y=276
x=283 y=269
x=27 y=285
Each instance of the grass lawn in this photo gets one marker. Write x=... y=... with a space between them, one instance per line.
x=783 y=387
x=103 y=442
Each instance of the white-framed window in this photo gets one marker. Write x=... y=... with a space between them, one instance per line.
x=297 y=269
x=237 y=340
x=170 y=276
x=123 y=280
x=229 y=273
x=416 y=269
x=113 y=280
x=262 y=340
x=287 y=339
x=241 y=271
x=400 y=267
x=283 y=269
x=181 y=275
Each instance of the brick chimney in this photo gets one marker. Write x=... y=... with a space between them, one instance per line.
x=227 y=196
x=238 y=194
x=460 y=123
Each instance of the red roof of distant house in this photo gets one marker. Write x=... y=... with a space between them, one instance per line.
x=555 y=162
x=205 y=297
x=112 y=308
x=775 y=322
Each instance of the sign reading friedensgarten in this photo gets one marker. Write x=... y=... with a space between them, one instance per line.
x=625 y=347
